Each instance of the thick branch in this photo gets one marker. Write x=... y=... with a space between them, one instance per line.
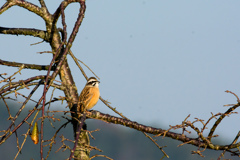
x=63 y=5
x=42 y=12
x=65 y=73
x=25 y=31
x=26 y=66
x=158 y=131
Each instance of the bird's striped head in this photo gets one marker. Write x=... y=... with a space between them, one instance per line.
x=92 y=82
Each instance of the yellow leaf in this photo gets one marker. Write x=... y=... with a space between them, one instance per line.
x=35 y=134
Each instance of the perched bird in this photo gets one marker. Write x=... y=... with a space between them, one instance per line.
x=89 y=95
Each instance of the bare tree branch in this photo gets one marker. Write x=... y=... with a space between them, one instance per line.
x=26 y=66
x=6 y=6
x=42 y=3
x=42 y=12
x=25 y=31
x=158 y=131
x=63 y=5
x=221 y=118
x=21 y=82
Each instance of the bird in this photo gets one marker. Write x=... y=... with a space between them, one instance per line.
x=89 y=96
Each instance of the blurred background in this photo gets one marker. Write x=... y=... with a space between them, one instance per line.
x=158 y=61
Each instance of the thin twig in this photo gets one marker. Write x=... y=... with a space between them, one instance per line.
x=76 y=61
x=53 y=138
x=19 y=151
x=233 y=94
x=9 y=78
x=20 y=110
x=165 y=154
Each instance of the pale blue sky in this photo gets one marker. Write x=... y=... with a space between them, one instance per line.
x=158 y=60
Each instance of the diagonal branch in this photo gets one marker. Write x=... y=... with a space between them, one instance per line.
x=42 y=3
x=221 y=118
x=6 y=6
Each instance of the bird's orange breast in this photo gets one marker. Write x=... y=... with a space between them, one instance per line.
x=94 y=92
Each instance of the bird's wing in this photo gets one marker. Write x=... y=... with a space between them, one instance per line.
x=85 y=97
